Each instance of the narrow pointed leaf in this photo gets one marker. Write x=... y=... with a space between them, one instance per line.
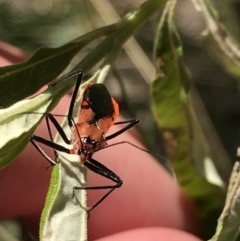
x=17 y=123
x=170 y=106
x=64 y=216
x=22 y=80
x=219 y=44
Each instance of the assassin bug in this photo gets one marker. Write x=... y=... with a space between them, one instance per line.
x=98 y=113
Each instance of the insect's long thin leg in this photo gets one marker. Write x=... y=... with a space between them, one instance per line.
x=102 y=198
x=42 y=152
x=50 y=144
x=60 y=130
x=34 y=139
x=50 y=117
x=132 y=122
x=79 y=74
x=102 y=170
x=74 y=96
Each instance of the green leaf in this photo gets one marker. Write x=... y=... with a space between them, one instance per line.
x=125 y=29
x=64 y=216
x=170 y=106
x=229 y=221
x=22 y=80
x=59 y=209
x=14 y=91
x=219 y=44
x=17 y=122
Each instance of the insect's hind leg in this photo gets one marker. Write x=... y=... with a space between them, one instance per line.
x=102 y=170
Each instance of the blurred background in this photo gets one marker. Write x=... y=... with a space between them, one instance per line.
x=33 y=24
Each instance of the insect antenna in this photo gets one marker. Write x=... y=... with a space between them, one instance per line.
x=164 y=162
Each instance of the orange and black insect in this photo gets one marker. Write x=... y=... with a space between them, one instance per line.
x=98 y=113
